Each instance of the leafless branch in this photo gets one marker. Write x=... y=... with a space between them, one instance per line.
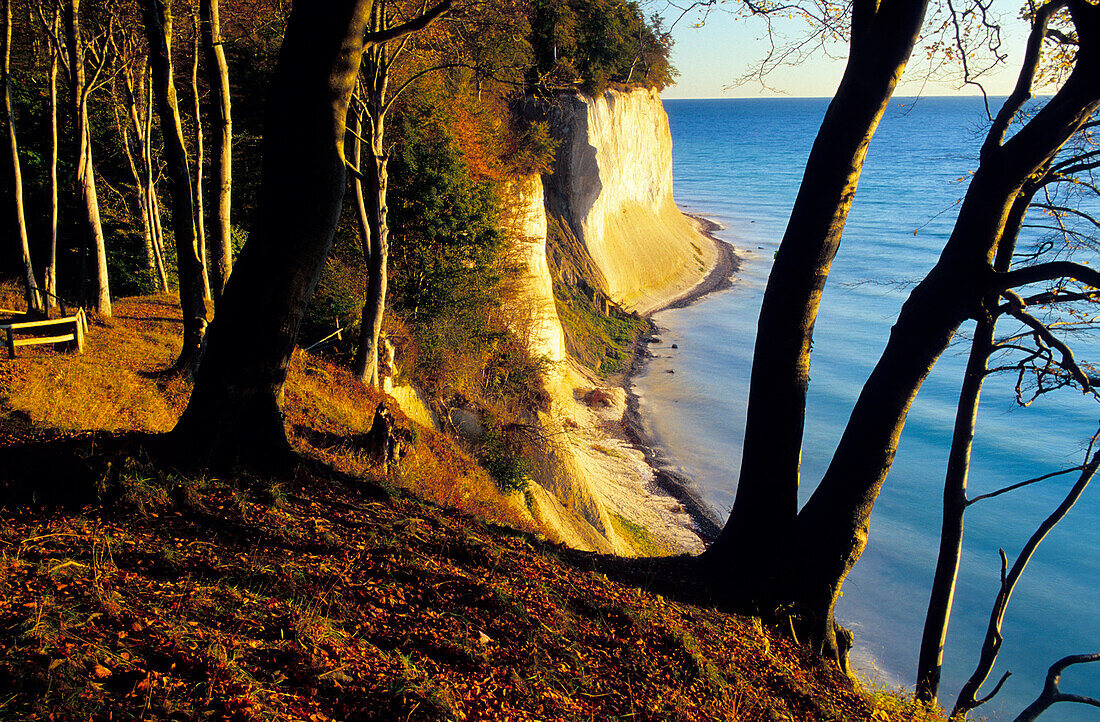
x=1051 y=694
x=991 y=646
x=1022 y=484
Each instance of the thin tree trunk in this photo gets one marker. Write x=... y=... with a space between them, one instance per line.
x=158 y=28
x=50 y=278
x=221 y=157
x=137 y=169
x=832 y=528
x=372 y=206
x=930 y=660
x=150 y=184
x=200 y=226
x=761 y=525
x=30 y=285
x=85 y=165
x=934 y=636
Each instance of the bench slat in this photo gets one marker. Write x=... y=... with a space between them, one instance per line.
x=38 y=324
x=35 y=340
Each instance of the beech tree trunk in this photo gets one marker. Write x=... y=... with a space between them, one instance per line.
x=221 y=157
x=85 y=165
x=831 y=530
x=374 y=226
x=760 y=530
x=30 y=286
x=151 y=188
x=200 y=226
x=158 y=30
x=233 y=414
x=50 y=275
x=930 y=660
x=135 y=159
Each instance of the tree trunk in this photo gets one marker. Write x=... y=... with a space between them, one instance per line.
x=151 y=188
x=934 y=636
x=200 y=226
x=930 y=660
x=374 y=227
x=233 y=413
x=158 y=29
x=221 y=157
x=50 y=277
x=30 y=286
x=761 y=525
x=85 y=165
x=135 y=159
x=831 y=529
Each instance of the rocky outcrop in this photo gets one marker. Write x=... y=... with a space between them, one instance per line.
x=609 y=201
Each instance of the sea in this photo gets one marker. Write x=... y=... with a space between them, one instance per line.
x=739 y=162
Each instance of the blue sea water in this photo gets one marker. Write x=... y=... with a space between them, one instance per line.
x=739 y=162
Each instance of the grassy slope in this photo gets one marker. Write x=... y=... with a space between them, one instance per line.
x=319 y=595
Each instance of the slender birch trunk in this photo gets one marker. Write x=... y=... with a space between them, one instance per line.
x=158 y=28
x=85 y=164
x=30 y=286
x=137 y=173
x=221 y=157
x=941 y=597
x=150 y=182
x=374 y=226
x=200 y=225
x=50 y=276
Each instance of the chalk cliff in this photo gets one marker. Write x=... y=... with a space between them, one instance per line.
x=605 y=219
x=610 y=199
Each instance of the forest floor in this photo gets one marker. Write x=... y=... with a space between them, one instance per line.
x=130 y=589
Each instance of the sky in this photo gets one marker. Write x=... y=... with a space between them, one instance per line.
x=713 y=56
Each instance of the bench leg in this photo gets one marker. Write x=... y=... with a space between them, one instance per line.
x=11 y=343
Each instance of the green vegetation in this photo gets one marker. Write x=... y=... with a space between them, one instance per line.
x=601 y=341
x=643 y=541
x=594 y=43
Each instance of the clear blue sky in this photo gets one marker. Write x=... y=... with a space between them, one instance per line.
x=712 y=57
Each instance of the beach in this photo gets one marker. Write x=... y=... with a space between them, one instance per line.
x=673 y=482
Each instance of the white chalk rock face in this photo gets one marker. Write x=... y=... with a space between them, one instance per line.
x=536 y=316
x=614 y=174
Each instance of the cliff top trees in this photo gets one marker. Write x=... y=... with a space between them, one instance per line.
x=592 y=43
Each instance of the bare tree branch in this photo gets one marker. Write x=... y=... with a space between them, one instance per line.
x=1022 y=484
x=1051 y=694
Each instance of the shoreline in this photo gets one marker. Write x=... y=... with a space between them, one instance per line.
x=681 y=487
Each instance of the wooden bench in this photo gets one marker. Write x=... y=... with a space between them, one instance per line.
x=73 y=327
